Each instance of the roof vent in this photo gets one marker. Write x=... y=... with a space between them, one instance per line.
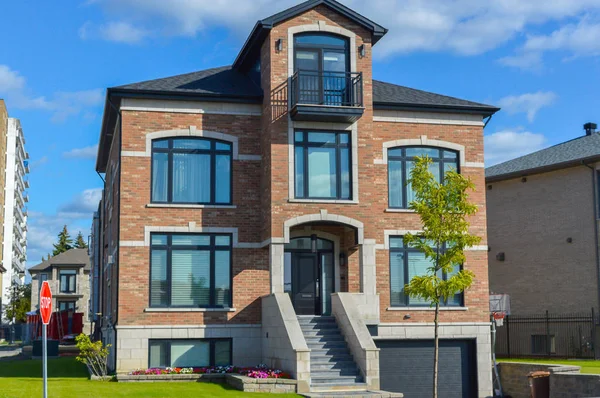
x=590 y=128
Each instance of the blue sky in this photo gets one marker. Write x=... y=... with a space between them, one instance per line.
x=539 y=61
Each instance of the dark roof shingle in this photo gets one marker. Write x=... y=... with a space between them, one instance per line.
x=70 y=257
x=557 y=156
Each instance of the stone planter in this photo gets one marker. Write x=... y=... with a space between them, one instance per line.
x=239 y=382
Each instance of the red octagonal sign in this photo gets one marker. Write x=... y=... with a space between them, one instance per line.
x=45 y=302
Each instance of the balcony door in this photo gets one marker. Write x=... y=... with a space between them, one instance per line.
x=322 y=65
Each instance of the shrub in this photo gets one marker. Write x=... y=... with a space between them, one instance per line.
x=94 y=355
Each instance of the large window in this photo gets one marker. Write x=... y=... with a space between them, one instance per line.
x=190 y=270
x=322 y=165
x=67 y=280
x=405 y=263
x=400 y=164
x=191 y=171
x=66 y=306
x=189 y=353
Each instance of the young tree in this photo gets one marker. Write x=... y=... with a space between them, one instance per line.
x=443 y=208
x=79 y=242
x=64 y=242
x=20 y=302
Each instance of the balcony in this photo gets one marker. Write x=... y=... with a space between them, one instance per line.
x=326 y=96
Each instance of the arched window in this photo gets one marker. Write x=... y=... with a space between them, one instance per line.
x=191 y=171
x=400 y=163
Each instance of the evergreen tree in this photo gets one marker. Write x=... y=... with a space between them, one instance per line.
x=64 y=242
x=43 y=259
x=79 y=242
x=19 y=302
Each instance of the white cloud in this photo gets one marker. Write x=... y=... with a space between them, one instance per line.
x=579 y=39
x=120 y=32
x=38 y=162
x=461 y=26
x=523 y=60
x=13 y=87
x=509 y=144
x=88 y=152
x=529 y=103
x=85 y=202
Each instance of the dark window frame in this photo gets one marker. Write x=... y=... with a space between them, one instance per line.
x=66 y=287
x=74 y=305
x=338 y=146
x=406 y=249
x=211 y=341
x=440 y=160
x=212 y=152
x=212 y=247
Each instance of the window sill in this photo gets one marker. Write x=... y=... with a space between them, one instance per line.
x=400 y=211
x=427 y=309
x=190 y=310
x=184 y=206
x=345 y=202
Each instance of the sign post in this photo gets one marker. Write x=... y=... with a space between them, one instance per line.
x=46 y=314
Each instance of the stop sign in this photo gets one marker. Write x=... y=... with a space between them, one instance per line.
x=45 y=302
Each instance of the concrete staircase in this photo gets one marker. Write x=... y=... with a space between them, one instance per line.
x=332 y=368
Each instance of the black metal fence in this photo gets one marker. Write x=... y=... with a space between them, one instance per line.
x=327 y=88
x=547 y=335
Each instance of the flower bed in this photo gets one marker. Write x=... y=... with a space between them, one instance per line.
x=258 y=372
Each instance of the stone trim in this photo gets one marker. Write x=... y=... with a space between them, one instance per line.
x=422 y=141
x=205 y=326
x=352 y=128
x=193 y=229
x=190 y=310
x=459 y=119
x=322 y=216
x=190 y=206
x=401 y=232
x=400 y=211
x=191 y=132
x=415 y=309
x=214 y=108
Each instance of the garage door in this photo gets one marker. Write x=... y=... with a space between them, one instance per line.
x=406 y=366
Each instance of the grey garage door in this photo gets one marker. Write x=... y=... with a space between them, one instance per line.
x=406 y=366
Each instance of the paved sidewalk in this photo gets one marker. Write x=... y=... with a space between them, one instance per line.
x=9 y=351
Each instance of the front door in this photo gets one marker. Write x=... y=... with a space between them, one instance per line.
x=305 y=281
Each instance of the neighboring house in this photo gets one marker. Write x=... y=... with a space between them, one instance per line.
x=542 y=227
x=13 y=199
x=68 y=276
x=246 y=205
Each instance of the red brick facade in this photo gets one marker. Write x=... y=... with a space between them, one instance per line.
x=261 y=195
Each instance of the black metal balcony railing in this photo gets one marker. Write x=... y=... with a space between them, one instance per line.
x=327 y=88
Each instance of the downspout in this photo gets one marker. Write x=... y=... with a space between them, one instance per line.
x=595 y=196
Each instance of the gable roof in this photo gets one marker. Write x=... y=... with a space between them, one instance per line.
x=571 y=153
x=73 y=257
x=251 y=48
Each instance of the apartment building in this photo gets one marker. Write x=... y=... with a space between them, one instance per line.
x=543 y=214
x=14 y=169
x=254 y=213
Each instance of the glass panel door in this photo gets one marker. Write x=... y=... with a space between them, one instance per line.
x=327 y=285
x=334 y=78
x=309 y=84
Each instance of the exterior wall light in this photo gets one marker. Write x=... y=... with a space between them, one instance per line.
x=313 y=243
x=500 y=256
x=342 y=259
x=362 y=51
x=279 y=45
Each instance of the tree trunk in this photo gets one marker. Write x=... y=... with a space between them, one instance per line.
x=436 y=349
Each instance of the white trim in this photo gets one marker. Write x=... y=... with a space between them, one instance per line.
x=353 y=128
x=423 y=140
x=397 y=232
x=419 y=324
x=213 y=326
x=400 y=211
x=322 y=216
x=190 y=310
x=416 y=309
x=136 y=154
x=459 y=119
x=196 y=107
x=188 y=206
x=478 y=165
x=321 y=26
x=480 y=248
x=192 y=228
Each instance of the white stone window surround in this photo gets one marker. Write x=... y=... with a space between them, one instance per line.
x=457 y=119
x=192 y=228
x=321 y=26
x=192 y=131
x=322 y=126
x=424 y=141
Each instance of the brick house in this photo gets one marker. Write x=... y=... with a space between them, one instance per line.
x=542 y=227
x=68 y=276
x=247 y=216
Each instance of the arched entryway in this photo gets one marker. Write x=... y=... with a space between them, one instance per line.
x=309 y=274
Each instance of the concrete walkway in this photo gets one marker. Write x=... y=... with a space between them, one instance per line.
x=9 y=352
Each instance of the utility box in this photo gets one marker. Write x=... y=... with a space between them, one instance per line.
x=52 y=346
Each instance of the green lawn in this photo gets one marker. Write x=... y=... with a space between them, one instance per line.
x=68 y=378
x=587 y=366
